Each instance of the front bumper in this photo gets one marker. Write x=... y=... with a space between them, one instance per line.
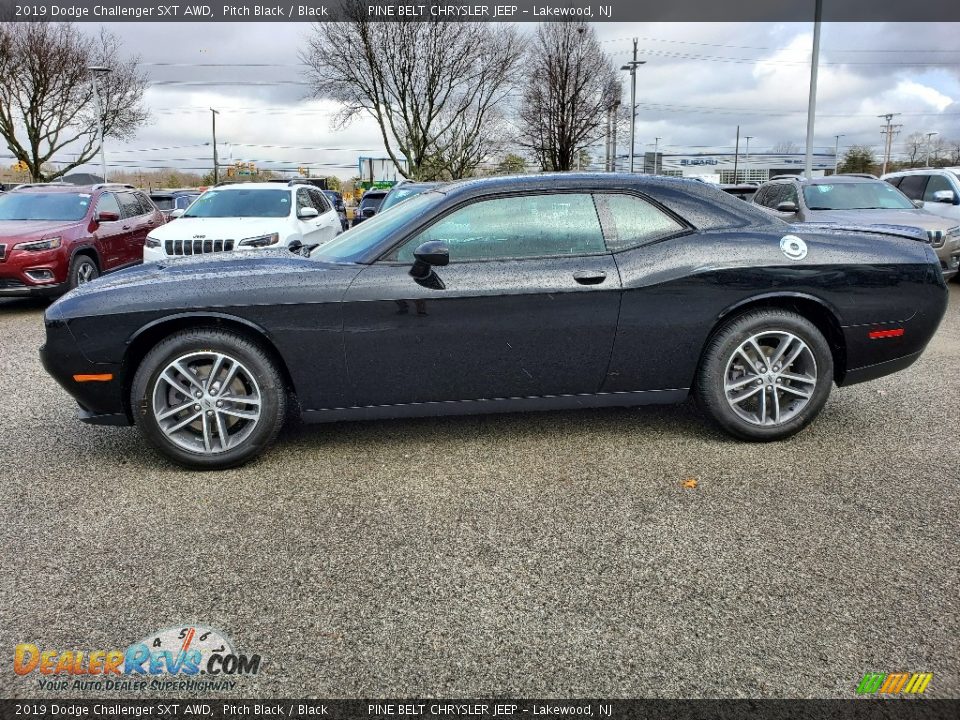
x=101 y=402
x=15 y=288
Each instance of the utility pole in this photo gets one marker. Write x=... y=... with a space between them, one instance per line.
x=736 y=155
x=812 y=102
x=929 y=135
x=216 y=166
x=97 y=70
x=746 y=160
x=889 y=131
x=656 y=148
x=632 y=68
x=836 y=154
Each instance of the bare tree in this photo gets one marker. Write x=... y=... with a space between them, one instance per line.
x=954 y=147
x=914 y=147
x=569 y=90
x=436 y=89
x=785 y=147
x=47 y=105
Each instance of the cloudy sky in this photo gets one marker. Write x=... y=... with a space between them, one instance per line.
x=700 y=81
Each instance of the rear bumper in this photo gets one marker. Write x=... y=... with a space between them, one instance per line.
x=872 y=372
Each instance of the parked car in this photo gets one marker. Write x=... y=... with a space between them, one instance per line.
x=247 y=216
x=369 y=205
x=337 y=200
x=402 y=191
x=744 y=191
x=532 y=292
x=935 y=190
x=853 y=199
x=170 y=201
x=55 y=237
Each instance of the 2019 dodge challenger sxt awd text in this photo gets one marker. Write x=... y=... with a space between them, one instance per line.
x=501 y=294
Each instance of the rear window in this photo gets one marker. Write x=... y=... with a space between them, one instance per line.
x=630 y=221
x=163 y=202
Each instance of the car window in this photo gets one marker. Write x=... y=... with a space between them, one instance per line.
x=145 y=205
x=629 y=221
x=163 y=202
x=43 y=206
x=108 y=203
x=789 y=194
x=182 y=202
x=895 y=181
x=319 y=201
x=935 y=184
x=516 y=227
x=913 y=185
x=304 y=200
x=129 y=205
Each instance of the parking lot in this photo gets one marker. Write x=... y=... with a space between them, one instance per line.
x=552 y=554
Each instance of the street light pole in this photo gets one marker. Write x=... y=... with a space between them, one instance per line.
x=812 y=101
x=216 y=165
x=746 y=160
x=836 y=154
x=632 y=68
x=929 y=135
x=96 y=70
x=656 y=148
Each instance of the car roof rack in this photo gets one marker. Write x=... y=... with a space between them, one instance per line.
x=227 y=182
x=787 y=177
x=100 y=186
x=32 y=185
x=869 y=176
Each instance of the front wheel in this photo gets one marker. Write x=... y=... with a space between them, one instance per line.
x=208 y=399
x=765 y=375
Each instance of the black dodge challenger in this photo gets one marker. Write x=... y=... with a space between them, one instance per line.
x=494 y=295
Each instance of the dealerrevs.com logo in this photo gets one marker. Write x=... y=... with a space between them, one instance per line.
x=190 y=657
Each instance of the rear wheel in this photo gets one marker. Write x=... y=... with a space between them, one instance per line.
x=765 y=375
x=209 y=399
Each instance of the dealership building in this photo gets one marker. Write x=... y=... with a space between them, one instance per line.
x=719 y=167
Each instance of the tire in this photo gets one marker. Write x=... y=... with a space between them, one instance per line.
x=231 y=424
x=83 y=269
x=780 y=405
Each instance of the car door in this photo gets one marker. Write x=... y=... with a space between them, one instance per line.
x=329 y=223
x=136 y=225
x=111 y=238
x=527 y=307
x=310 y=228
x=940 y=183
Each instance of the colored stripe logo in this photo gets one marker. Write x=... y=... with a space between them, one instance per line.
x=894 y=683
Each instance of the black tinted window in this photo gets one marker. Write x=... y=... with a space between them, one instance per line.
x=129 y=205
x=319 y=201
x=912 y=186
x=516 y=227
x=145 y=205
x=630 y=221
x=895 y=181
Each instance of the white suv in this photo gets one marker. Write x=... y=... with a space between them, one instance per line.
x=937 y=189
x=246 y=216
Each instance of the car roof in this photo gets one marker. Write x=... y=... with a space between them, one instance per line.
x=70 y=188
x=827 y=180
x=257 y=186
x=924 y=171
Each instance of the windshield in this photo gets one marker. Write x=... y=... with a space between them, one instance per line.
x=354 y=243
x=43 y=206
x=855 y=196
x=163 y=202
x=257 y=202
x=373 y=201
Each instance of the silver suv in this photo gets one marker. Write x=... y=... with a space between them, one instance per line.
x=935 y=190
x=858 y=200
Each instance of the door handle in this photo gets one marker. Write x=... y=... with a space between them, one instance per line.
x=589 y=277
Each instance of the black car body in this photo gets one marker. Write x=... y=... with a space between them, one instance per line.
x=375 y=325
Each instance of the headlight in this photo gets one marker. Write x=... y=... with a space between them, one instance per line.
x=261 y=240
x=38 y=245
x=151 y=242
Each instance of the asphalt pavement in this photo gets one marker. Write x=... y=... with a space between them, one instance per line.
x=555 y=554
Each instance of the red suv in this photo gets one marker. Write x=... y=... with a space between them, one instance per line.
x=54 y=237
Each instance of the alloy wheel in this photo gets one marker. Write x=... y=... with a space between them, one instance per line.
x=85 y=273
x=770 y=378
x=206 y=402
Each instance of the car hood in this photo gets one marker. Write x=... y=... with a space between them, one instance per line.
x=217 y=279
x=234 y=228
x=30 y=229
x=915 y=218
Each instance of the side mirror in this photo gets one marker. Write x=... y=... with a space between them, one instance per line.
x=787 y=207
x=105 y=216
x=945 y=196
x=177 y=213
x=308 y=213
x=369 y=212
x=295 y=247
x=435 y=253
